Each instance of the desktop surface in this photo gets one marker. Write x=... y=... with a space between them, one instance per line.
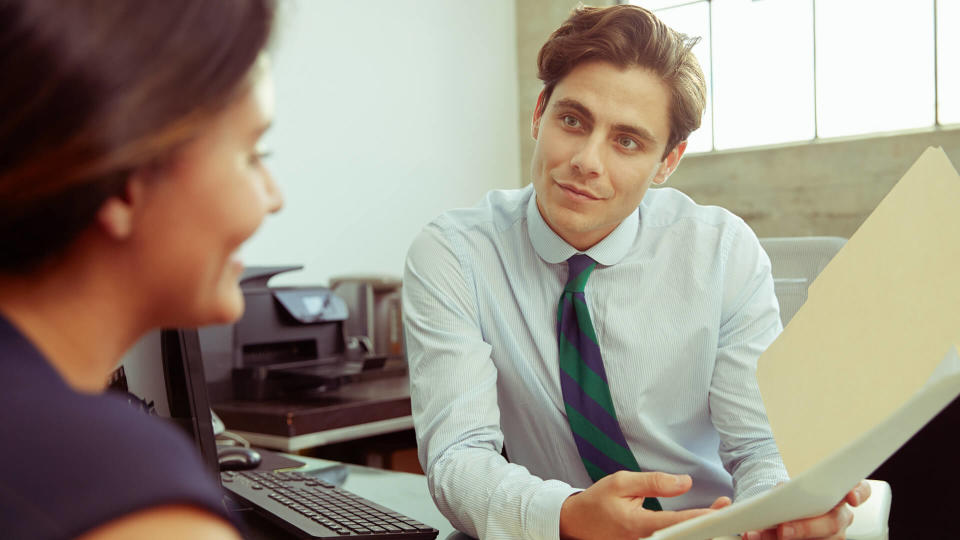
x=355 y=410
x=402 y=492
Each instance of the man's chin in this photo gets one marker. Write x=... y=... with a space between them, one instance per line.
x=574 y=233
x=571 y=221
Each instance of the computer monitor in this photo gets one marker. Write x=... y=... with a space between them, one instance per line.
x=187 y=390
x=163 y=374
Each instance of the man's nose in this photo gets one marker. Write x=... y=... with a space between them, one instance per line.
x=588 y=159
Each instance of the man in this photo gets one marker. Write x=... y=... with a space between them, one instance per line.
x=510 y=305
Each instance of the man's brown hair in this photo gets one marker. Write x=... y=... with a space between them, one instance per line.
x=628 y=36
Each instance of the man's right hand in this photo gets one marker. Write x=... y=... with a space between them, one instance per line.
x=613 y=508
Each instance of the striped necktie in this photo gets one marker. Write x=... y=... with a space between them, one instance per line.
x=583 y=382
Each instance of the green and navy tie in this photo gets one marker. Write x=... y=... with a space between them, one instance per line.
x=583 y=382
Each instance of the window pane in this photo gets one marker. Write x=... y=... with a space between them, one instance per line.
x=874 y=66
x=694 y=20
x=948 y=60
x=762 y=72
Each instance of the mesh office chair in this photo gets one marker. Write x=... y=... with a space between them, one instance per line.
x=796 y=262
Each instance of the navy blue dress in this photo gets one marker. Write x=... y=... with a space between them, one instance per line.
x=70 y=462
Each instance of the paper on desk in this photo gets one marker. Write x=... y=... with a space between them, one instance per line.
x=861 y=366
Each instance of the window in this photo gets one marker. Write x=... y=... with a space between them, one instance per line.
x=795 y=70
x=948 y=62
x=874 y=67
x=694 y=18
x=763 y=62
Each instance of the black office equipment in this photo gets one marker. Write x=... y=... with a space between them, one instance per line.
x=303 y=505
x=292 y=341
x=187 y=392
x=238 y=458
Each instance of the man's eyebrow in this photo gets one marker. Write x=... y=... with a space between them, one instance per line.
x=568 y=103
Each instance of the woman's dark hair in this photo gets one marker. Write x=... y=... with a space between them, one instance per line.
x=628 y=36
x=95 y=89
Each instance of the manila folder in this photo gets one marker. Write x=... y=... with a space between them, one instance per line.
x=867 y=361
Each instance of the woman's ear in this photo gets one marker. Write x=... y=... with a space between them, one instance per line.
x=117 y=214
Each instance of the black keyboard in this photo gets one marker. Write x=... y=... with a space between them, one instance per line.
x=310 y=507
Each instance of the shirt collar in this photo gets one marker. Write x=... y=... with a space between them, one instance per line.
x=553 y=249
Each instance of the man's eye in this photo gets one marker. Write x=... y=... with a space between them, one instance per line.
x=571 y=121
x=628 y=143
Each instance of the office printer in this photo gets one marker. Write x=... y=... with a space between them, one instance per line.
x=291 y=341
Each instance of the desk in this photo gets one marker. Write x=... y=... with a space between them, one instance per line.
x=403 y=492
x=353 y=411
x=408 y=494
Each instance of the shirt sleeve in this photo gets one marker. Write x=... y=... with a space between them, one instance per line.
x=453 y=390
x=750 y=321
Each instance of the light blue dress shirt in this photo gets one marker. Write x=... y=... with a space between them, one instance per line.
x=683 y=304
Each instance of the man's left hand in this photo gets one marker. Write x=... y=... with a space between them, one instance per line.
x=830 y=526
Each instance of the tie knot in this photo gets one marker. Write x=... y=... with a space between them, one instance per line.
x=580 y=268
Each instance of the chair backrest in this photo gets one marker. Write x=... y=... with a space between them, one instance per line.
x=796 y=263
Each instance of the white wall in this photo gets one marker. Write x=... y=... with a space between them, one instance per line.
x=388 y=113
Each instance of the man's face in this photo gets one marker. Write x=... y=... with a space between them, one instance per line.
x=599 y=145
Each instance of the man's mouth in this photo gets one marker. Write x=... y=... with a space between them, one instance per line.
x=577 y=193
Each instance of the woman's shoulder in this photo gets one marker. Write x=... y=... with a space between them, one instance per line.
x=73 y=461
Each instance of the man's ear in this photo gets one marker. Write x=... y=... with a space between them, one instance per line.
x=669 y=163
x=117 y=214
x=537 y=115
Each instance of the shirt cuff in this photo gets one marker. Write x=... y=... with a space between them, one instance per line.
x=543 y=512
x=764 y=475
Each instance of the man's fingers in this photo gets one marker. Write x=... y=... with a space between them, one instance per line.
x=721 y=502
x=769 y=534
x=859 y=494
x=823 y=526
x=648 y=484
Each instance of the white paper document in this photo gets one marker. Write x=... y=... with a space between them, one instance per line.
x=867 y=361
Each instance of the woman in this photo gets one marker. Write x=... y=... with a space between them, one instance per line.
x=129 y=176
